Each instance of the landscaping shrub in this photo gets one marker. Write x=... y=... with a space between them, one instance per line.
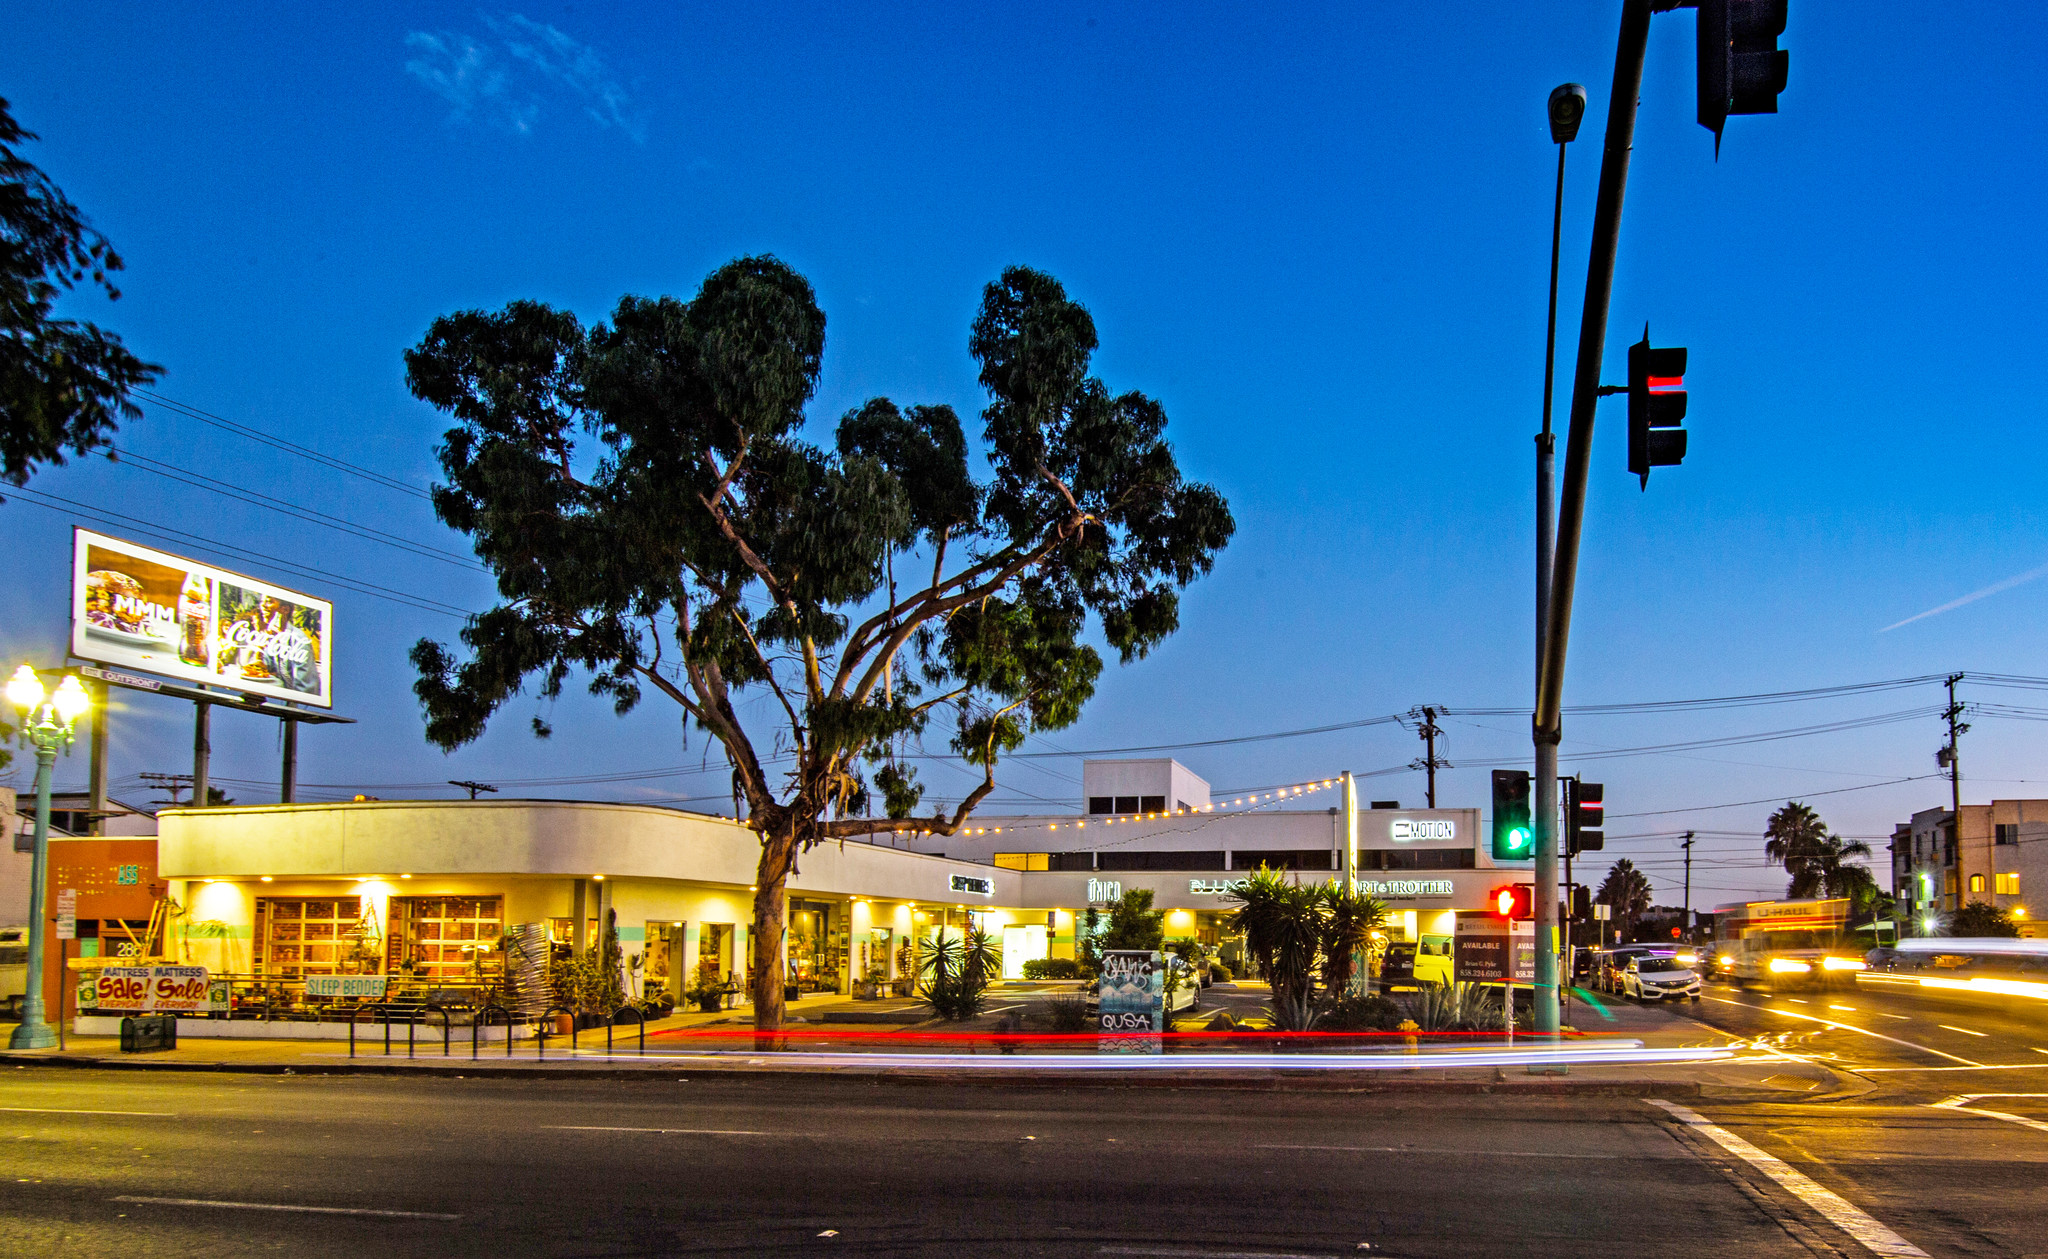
x=1066 y=1013
x=1052 y=968
x=1220 y=973
x=1361 y=1012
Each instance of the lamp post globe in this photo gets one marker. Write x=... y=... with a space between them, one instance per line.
x=46 y=725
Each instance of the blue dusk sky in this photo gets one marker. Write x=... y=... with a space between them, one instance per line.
x=1318 y=234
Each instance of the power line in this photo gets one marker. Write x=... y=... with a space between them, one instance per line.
x=279 y=443
x=199 y=480
x=1736 y=804
x=68 y=506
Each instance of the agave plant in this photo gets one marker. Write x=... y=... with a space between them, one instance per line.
x=955 y=974
x=1459 y=1007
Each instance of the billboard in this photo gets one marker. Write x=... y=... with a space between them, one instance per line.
x=146 y=609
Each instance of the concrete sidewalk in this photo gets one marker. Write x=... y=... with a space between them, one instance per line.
x=695 y=1043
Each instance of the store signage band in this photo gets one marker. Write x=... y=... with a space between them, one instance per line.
x=971 y=885
x=1407 y=830
x=1103 y=891
x=1371 y=887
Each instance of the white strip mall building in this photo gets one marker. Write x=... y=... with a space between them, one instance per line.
x=420 y=887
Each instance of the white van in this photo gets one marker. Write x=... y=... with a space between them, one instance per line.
x=14 y=968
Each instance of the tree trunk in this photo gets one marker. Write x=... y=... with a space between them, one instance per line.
x=771 y=918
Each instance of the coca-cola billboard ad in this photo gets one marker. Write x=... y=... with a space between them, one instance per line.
x=141 y=608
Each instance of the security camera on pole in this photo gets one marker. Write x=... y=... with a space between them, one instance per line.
x=46 y=725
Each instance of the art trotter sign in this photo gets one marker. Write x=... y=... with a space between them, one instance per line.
x=1407 y=887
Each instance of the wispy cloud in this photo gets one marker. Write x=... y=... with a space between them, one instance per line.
x=1997 y=587
x=507 y=77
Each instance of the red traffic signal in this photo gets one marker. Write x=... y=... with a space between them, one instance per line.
x=1513 y=902
x=1656 y=406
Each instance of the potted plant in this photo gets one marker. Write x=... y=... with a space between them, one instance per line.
x=704 y=990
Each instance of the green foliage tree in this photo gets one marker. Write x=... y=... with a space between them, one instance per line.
x=1796 y=838
x=1134 y=924
x=698 y=546
x=64 y=384
x=1627 y=889
x=1978 y=919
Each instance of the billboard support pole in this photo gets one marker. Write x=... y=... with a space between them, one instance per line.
x=202 y=751
x=288 y=788
x=96 y=766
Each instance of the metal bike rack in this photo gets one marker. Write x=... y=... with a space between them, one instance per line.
x=541 y=1041
x=637 y=1013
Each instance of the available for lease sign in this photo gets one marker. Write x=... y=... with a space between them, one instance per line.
x=154 y=990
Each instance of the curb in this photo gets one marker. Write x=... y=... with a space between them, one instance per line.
x=1251 y=1080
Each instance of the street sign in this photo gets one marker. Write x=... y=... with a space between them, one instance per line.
x=67 y=913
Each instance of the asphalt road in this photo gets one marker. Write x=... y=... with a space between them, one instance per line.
x=123 y=1163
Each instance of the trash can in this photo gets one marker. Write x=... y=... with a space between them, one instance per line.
x=143 y=1033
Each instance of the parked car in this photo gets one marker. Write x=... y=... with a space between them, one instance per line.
x=1656 y=978
x=14 y=968
x=1608 y=964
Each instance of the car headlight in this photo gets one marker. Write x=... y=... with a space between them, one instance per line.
x=1843 y=963
x=1687 y=959
x=1789 y=966
x=1726 y=961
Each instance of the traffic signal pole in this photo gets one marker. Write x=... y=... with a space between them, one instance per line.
x=1630 y=50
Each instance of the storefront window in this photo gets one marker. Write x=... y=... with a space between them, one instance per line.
x=445 y=938
x=315 y=936
x=816 y=945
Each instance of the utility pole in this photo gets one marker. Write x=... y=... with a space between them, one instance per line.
x=1429 y=731
x=471 y=787
x=1687 y=845
x=1952 y=761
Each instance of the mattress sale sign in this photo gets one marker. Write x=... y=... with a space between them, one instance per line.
x=146 y=609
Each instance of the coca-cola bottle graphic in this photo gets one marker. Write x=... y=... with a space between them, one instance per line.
x=195 y=621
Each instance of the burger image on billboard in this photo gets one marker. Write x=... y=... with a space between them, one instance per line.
x=135 y=606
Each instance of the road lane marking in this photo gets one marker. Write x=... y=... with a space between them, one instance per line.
x=1184 y=1253
x=1838 y=1210
x=1982 y=1066
x=1848 y=1009
x=1847 y=1027
x=41 y=1110
x=2039 y=1050
x=1956 y=1103
x=688 y=1132
x=1903 y=1018
x=1964 y=1030
x=285 y=1206
x=1411 y=1149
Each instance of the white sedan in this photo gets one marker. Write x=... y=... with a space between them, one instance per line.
x=1656 y=978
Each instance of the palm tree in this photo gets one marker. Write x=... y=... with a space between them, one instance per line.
x=1349 y=919
x=1628 y=890
x=1283 y=930
x=1816 y=860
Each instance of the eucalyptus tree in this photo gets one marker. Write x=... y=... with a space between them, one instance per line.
x=64 y=383
x=659 y=522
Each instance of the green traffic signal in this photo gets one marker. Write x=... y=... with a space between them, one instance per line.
x=1514 y=836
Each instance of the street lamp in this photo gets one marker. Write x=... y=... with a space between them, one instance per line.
x=46 y=725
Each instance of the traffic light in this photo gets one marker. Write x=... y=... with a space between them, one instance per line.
x=1656 y=404
x=1585 y=816
x=1582 y=902
x=1741 y=68
x=1514 y=839
x=1514 y=902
